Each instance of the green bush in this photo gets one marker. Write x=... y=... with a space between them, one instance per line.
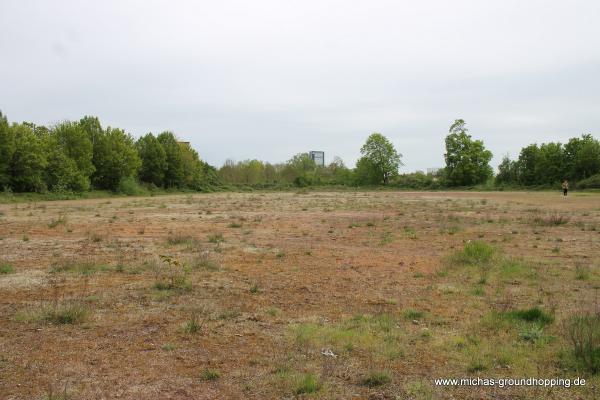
x=130 y=187
x=593 y=182
x=583 y=331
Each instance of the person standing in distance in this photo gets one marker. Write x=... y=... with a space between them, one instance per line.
x=565 y=187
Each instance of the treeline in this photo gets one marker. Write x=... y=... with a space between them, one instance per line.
x=79 y=156
x=467 y=165
x=578 y=160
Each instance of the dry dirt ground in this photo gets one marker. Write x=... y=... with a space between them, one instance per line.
x=324 y=295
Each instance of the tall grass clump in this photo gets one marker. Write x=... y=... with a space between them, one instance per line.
x=583 y=332
x=308 y=383
x=476 y=253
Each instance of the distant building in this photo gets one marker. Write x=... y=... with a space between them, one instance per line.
x=318 y=157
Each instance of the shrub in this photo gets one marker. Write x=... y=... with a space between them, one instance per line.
x=129 y=186
x=593 y=182
x=583 y=331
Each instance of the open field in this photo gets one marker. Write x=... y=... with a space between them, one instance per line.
x=282 y=295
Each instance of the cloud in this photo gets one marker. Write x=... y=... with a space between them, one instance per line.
x=268 y=79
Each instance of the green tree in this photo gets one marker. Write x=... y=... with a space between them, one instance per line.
x=366 y=173
x=299 y=170
x=115 y=157
x=380 y=160
x=507 y=172
x=193 y=171
x=550 y=165
x=467 y=160
x=28 y=161
x=582 y=157
x=62 y=173
x=527 y=165
x=154 y=160
x=7 y=149
x=75 y=144
x=174 y=173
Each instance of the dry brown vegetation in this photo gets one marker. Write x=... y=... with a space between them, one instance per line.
x=285 y=295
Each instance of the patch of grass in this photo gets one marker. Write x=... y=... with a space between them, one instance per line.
x=210 y=375
x=534 y=314
x=179 y=238
x=69 y=313
x=168 y=347
x=550 y=220
x=376 y=378
x=308 y=383
x=235 y=225
x=177 y=283
x=413 y=314
x=191 y=325
x=6 y=268
x=215 y=238
x=204 y=261
x=272 y=311
x=377 y=334
x=410 y=232
x=474 y=253
x=81 y=268
x=61 y=220
x=582 y=272
x=419 y=390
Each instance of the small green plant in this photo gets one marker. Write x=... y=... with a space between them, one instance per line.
x=168 y=347
x=210 y=375
x=376 y=378
x=532 y=333
x=308 y=383
x=235 y=225
x=582 y=272
x=6 y=268
x=410 y=232
x=254 y=288
x=192 y=325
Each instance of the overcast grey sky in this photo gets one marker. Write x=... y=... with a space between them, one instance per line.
x=268 y=79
